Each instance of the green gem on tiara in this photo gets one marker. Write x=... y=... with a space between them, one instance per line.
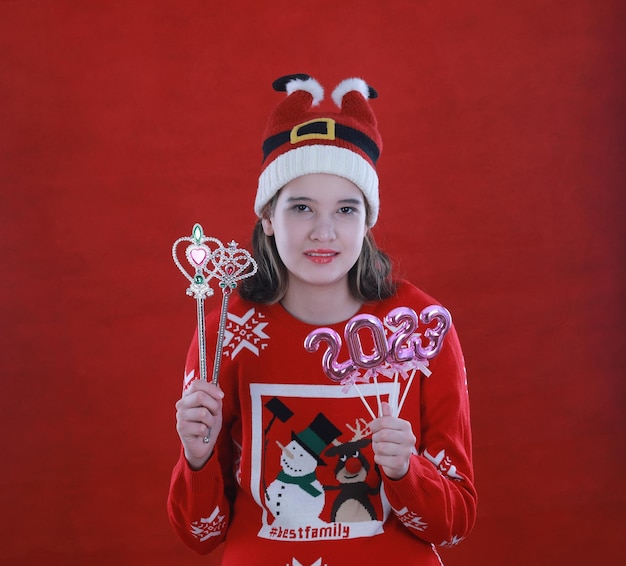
x=197 y=234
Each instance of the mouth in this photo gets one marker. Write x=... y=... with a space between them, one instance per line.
x=321 y=256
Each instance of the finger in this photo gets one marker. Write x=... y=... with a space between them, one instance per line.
x=388 y=448
x=393 y=438
x=197 y=415
x=192 y=422
x=199 y=399
x=386 y=407
x=388 y=430
x=194 y=430
x=205 y=386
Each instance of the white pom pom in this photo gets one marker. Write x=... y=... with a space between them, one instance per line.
x=309 y=85
x=348 y=85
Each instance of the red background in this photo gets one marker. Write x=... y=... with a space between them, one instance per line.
x=123 y=123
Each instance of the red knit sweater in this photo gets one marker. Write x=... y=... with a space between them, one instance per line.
x=293 y=480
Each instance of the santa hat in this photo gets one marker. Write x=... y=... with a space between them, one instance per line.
x=299 y=139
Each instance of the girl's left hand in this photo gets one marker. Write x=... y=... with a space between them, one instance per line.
x=393 y=442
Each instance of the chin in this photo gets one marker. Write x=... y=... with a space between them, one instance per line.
x=326 y=279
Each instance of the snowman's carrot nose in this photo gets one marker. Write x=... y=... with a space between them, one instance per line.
x=286 y=450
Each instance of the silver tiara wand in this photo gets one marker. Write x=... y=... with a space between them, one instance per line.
x=228 y=264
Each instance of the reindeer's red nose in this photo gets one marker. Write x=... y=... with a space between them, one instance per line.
x=353 y=465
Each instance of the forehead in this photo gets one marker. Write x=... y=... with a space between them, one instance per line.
x=322 y=187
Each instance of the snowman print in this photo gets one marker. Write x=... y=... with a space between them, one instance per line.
x=296 y=497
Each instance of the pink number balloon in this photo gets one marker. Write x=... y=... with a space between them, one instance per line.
x=402 y=343
x=353 y=340
x=435 y=335
x=335 y=370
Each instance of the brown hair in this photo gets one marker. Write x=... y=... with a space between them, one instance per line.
x=369 y=279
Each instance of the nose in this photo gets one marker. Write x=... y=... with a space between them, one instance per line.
x=323 y=230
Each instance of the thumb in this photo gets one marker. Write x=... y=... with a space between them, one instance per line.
x=386 y=408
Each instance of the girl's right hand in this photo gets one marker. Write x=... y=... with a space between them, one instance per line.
x=198 y=415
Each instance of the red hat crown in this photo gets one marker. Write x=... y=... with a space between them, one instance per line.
x=355 y=123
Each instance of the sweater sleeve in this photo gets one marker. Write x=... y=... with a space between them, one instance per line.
x=436 y=499
x=198 y=510
x=198 y=503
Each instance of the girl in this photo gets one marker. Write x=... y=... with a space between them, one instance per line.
x=296 y=470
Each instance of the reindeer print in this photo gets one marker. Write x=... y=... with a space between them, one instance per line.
x=353 y=504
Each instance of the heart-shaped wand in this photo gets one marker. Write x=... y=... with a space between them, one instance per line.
x=228 y=264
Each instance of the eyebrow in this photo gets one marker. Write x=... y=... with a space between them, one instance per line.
x=355 y=201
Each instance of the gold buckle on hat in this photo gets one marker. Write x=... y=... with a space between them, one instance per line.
x=295 y=137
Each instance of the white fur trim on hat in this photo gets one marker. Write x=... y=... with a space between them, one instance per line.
x=319 y=159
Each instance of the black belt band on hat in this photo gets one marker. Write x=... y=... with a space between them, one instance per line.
x=322 y=129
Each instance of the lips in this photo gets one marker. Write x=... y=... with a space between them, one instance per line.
x=321 y=256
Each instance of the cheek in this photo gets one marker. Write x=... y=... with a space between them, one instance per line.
x=359 y=229
x=286 y=233
x=358 y=240
x=282 y=242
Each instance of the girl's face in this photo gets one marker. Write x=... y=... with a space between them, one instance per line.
x=318 y=223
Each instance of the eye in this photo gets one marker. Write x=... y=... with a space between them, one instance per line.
x=343 y=458
x=356 y=454
x=301 y=208
x=347 y=210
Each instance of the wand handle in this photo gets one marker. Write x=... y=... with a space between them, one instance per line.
x=219 y=346
x=201 y=339
x=220 y=335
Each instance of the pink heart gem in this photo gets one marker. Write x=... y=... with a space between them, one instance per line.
x=198 y=255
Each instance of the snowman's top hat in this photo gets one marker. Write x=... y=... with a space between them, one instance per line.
x=317 y=436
